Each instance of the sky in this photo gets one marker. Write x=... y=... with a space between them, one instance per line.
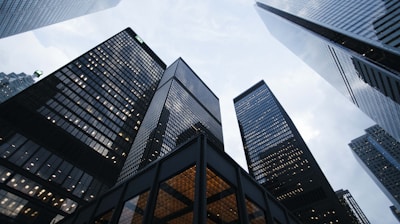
x=230 y=49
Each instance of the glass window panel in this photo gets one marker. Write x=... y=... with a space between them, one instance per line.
x=254 y=213
x=4 y=174
x=36 y=160
x=175 y=198
x=221 y=200
x=134 y=209
x=24 y=153
x=104 y=218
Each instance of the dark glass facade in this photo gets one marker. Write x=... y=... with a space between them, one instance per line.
x=379 y=155
x=64 y=140
x=278 y=158
x=353 y=210
x=182 y=106
x=354 y=45
x=17 y=16
x=11 y=84
x=195 y=183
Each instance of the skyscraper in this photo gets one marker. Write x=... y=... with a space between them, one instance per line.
x=11 y=84
x=353 y=210
x=379 y=155
x=354 y=45
x=17 y=16
x=278 y=158
x=64 y=140
x=182 y=106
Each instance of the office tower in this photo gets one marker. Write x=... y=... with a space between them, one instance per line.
x=17 y=16
x=354 y=45
x=182 y=106
x=195 y=183
x=278 y=158
x=11 y=84
x=64 y=140
x=353 y=210
x=379 y=155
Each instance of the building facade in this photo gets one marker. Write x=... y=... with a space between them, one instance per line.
x=278 y=158
x=195 y=183
x=182 y=106
x=352 y=208
x=17 y=16
x=379 y=155
x=11 y=84
x=354 y=45
x=64 y=140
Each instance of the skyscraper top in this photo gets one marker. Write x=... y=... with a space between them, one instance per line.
x=17 y=16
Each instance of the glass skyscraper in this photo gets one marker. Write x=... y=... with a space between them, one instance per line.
x=17 y=16
x=182 y=106
x=354 y=45
x=379 y=155
x=11 y=84
x=64 y=140
x=278 y=158
x=352 y=207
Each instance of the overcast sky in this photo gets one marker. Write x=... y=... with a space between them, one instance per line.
x=230 y=49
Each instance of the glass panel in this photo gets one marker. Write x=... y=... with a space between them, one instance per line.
x=175 y=198
x=13 y=206
x=4 y=174
x=134 y=209
x=254 y=213
x=221 y=200
x=105 y=218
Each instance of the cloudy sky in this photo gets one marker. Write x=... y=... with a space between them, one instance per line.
x=228 y=46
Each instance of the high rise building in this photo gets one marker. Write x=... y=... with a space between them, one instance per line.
x=11 y=84
x=17 y=16
x=64 y=140
x=195 y=183
x=182 y=106
x=278 y=158
x=379 y=155
x=354 y=45
x=353 y=210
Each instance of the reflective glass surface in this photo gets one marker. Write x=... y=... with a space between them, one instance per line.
x=254 y=213
x=89 y=110
x=379 y=154
x=133 y=210
x=279 y=159
x=373 y=88
x=221 y=200
x=373 y=21
x=175 y=198
x=18 y=16
x=175 y=115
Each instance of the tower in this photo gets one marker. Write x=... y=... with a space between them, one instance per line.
x=182 y=106
x=64 y=140
x=351 y=207
x=11 y=84
x=379 y=155
x=354 y=45
x=17 y=16
x=278 y=158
